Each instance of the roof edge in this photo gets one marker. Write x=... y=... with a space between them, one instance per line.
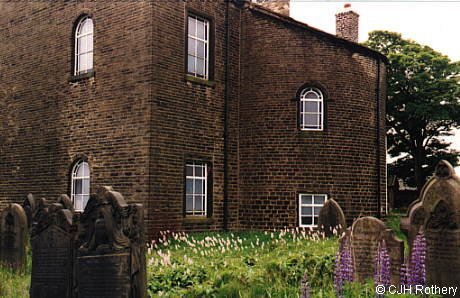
x=338 y=40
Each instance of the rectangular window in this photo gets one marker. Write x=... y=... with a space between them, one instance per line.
x=196 y=189
x=198 y=47
x=309 y=207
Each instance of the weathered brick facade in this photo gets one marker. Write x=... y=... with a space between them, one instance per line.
x=140 y=118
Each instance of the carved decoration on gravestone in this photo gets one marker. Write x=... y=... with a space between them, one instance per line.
x=366 y=234
x=440 y=200
x=52 y=238
x=30 y=208
x=111 y=253
x=13 y=237
x=331 y=218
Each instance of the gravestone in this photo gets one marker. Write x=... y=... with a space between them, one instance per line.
x=111 y=253
x=331 y=218
x=52 y=237
x=366 y=234
x=13 y=237
x=440 y=199
x=413 y=222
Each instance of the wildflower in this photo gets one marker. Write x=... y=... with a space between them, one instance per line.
x=304 y=287
x=382 y=274
x=417 y=274
x=344 y=269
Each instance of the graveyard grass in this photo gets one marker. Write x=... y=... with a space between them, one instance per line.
x=244 y=264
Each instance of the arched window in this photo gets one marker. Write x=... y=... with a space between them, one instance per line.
x=83 y=46
x=80 y=185
x=311 y=109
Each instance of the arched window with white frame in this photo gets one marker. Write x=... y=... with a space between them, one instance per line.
x=311 y=109
x=80 y=185
x=83 y=60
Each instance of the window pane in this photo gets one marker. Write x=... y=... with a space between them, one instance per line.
x=311 y=106
x=191 y=26
x=200 y=29
x=199 y=203
x=77 y=186
x=201 y=49
x=189 y=170
x=311 y=95
x=189 y=203
x=82 y=62
x=191 y=64
x=200 y=66
x=191 y=46
x=306 y=200
x=198 y=186
x=78 y=202
x=85 y=188
x=189 y=186
x=81 y=44
x=307 y=211
x=317 y=210
x=89 y=42
x=199 y=171
x=90 y=61
x=307 y=221
x=319 y=199
x=311 y=120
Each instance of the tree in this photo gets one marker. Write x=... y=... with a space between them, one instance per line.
x=422 y=107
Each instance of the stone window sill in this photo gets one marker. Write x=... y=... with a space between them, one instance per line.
x=195 y=80
x=83 y=76
x=198 y=220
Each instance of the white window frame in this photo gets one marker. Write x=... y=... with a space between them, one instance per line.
x=74 y=178
x=78 y=36
x=204 y=194
x=313 y=205
x=206 y=41
x=319 y=111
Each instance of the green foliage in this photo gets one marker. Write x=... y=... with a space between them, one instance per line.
x=248 y=264
x=423 y=105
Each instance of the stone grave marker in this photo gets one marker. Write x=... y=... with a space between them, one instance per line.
x=366 y=234
x=111 y=253
x=440 y=199
x=52 y=237
x=13 y=237
x=30 y=207
x=331 y=218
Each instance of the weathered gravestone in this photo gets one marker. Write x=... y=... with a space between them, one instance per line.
x=413 y=222
x=13 y=237
x=366 y=234
x=331 y=218
x=440 y=200
x=52 y=238
x=111 y=254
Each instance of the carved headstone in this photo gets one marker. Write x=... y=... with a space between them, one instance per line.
x=440 y=199
x=13 y=237
x=331 y=218
x=52 y=240
x=111 y=254
x=366 y=234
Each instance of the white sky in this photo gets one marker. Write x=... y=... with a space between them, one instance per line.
x=436 y=24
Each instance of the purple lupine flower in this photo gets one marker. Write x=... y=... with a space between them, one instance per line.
x=382 y=274
x=344 y=269
x=305 y=287
x=404 y=275
x=417 y=274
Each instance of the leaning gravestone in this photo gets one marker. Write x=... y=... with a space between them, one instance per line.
x=440 y=199
x=366 y=234
x=331 y=218
x=111 y=254
x=13 y=237
x=52 y=240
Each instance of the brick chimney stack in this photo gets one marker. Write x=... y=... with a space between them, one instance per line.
x=279 y=6
x=347 y=24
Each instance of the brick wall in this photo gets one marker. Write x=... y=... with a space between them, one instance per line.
x=139 y=119
x=277 y=160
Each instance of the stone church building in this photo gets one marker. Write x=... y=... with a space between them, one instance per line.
x=214 y=114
